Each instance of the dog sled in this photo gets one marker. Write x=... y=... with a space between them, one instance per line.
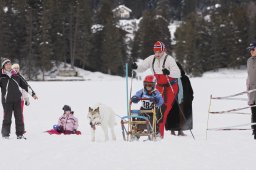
x=139 y=123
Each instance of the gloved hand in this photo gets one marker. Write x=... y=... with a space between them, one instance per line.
x=27 y=103
x=134 y=66
x=165 y=71
x=154 y=99
x=135 y=99
x=34 y=95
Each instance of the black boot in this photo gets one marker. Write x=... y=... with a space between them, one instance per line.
x=181 y=133
x=21 y=137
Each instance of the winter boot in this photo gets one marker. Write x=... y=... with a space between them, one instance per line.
x=5 y=137
x=254 y=133
x=173 y=132
x=158 y=137
x=181 y=133
x=21 y=137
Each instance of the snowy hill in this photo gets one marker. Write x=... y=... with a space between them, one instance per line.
x=222 y=150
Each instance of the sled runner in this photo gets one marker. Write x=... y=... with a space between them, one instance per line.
x=139 y=123
x=55 y=132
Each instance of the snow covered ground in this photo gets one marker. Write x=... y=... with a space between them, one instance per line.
x=222 y=150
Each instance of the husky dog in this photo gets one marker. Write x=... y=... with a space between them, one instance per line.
x=103 y=116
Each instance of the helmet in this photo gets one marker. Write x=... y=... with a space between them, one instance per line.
x=149 y=81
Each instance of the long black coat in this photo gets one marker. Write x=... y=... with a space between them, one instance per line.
x=175 y=119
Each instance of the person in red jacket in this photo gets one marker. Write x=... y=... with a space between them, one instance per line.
x=166 y=71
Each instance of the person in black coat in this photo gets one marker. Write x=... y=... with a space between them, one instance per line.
x=10 y=84
x=180 y=116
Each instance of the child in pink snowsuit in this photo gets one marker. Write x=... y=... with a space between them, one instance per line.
x=68 y=123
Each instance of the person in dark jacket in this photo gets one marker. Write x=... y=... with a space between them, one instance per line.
x=10 y=82
x=180 y=116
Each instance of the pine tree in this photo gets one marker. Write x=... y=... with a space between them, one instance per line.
x=58 y=32
x=83 y=33
x=152 y=28
x=34 y=11
x=163 y=9
x=9 y=36
x=251 y=15
x=239 y=37
x=45 y=47
x=3 y=29
x=190 y=47
x=187 y=7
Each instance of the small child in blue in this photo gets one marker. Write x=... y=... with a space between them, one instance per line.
x=155 y=98
x=148 y=92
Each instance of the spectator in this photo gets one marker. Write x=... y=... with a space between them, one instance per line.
x=10 y=82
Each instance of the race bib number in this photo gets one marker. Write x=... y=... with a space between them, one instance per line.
x=146 y=104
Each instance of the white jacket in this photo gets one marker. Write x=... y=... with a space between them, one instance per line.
x=170 y=64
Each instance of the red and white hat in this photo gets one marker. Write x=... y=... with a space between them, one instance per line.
x=159 y=47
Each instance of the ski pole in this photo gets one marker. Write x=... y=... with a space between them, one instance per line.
x=126 y=83
x=178 y=104
x=129 y=103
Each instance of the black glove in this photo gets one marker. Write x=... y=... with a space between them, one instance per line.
x=135 y=99
x=165 y=71
x=134 y=66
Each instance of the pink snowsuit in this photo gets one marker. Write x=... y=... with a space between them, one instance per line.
x=68 y=122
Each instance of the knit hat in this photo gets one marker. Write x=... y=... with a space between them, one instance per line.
x=4 y=61
x=66 y=108
x=251 y=46
x=159 y=47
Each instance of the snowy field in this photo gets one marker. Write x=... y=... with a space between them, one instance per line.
x=222 y=150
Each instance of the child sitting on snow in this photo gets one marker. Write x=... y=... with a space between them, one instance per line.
x=67 y=124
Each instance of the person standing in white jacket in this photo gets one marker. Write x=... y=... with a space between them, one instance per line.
x=167 y=72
